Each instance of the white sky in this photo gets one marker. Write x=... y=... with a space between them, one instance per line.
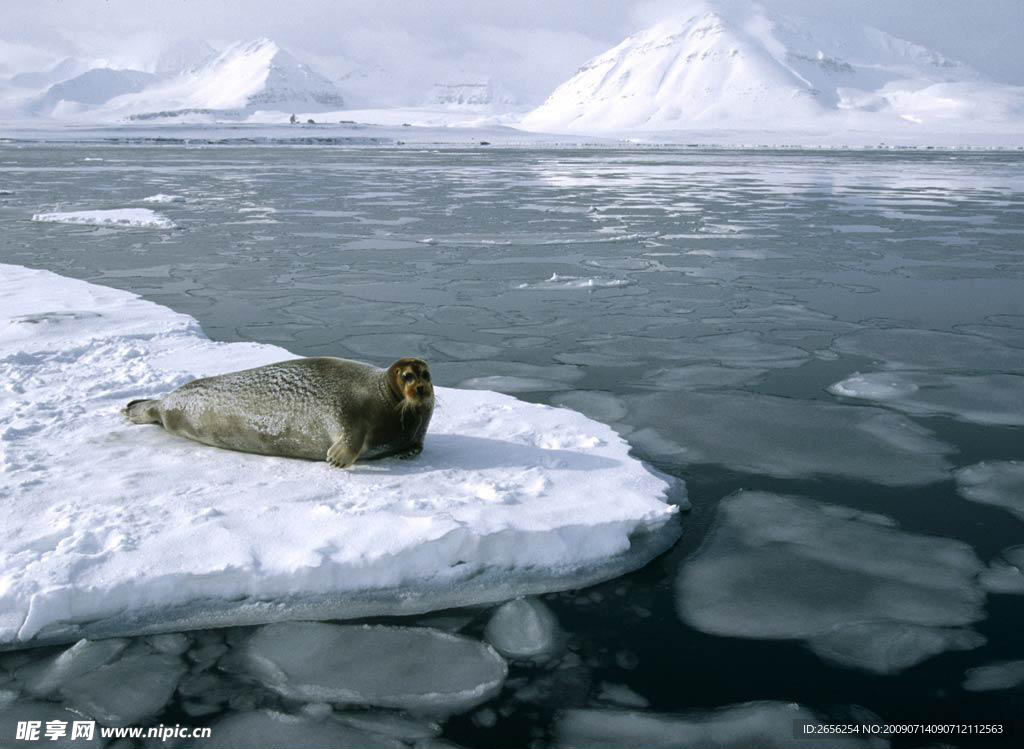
x=529 y=45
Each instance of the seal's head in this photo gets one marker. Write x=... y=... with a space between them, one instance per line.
x=409 y=379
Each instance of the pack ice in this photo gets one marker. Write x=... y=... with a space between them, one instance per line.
x=861 y=592
x=108 y=528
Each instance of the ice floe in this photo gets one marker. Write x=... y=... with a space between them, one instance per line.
x=860 y=592
x=761 y=724
x=523 y=628
x=787 y=437
x=999 y=483
x=134 y=217
x=269 y=729
x=576 y=282
x=905 y=348
x=984 y=399
x=108 y=528
x=416 y=669
x=1001 y=675
x=164 y=198
x=126 y=691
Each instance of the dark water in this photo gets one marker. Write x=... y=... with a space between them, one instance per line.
x=655 y=290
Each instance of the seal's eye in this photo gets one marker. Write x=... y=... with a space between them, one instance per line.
x=408 y=377
x=426 y=376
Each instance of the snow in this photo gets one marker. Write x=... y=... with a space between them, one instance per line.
x=136 y=217
x=861 y=592
x=109 y=528
x=163 y=198
x=523 y=629
x=738 y=66
x=416 y=669
x=999 y=483
x=1000 y=675
x=984 y=399
x=761 y=724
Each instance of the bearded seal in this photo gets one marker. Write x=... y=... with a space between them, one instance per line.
x=303 y=408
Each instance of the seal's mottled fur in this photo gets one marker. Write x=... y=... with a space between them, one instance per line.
x=305 y=408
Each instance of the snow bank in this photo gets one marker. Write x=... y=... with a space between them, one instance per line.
x=142 y=217
x=860 y=592
x=108 y=528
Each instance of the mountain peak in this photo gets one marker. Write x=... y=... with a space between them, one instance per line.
x=733 y=64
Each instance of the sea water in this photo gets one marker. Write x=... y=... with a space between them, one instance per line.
x=828 y=346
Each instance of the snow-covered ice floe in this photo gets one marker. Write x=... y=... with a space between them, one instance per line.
x=996 y=399
x=108 y=528
x=576 y=282
x=134 y=217
x=164 y=198
x=859 y=591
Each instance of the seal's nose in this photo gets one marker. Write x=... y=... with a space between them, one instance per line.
x=420 y=390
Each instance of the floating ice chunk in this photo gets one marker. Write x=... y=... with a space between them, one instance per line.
x=137 y=217
x=1004 y=578
x=1000 y=675
x=389 y=724
x=43 y=679
x=173 y=644
x=508 y=498
x=416 y=669
x=905 y=348
x=620 y=694
x=126 y=691
x=984 y=399
x=604 y=407
x=163 y=198
x=267 y=729
x=789 y=438
x=997 y=482
x=576 y=282
x=885 y=647
x=880 y=386
x=44 y=712
x=511 y=384
x=789 y=568
x=760 y=724
x=524 y=628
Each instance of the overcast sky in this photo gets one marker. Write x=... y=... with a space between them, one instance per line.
x=530 y=45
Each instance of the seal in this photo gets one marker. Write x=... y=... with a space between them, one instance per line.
x=303 y=408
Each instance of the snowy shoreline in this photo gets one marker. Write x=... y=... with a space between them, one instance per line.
x=111 y=528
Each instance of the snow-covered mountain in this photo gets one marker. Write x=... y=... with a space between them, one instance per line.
x=91 y=88
x=737 y=66
x=190 y=78
x=245 y=77
x=184 y=56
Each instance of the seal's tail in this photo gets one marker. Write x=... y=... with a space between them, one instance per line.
x=143 y=411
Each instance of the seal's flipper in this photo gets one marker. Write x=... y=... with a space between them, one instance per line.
x=143 y=412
